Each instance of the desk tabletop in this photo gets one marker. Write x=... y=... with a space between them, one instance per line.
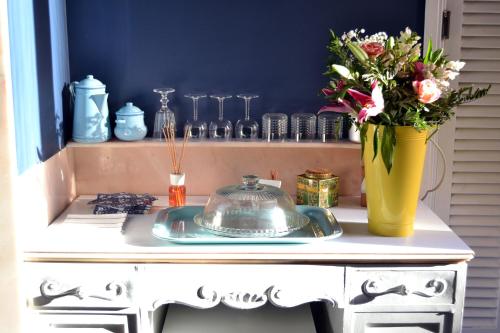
x=433 y=241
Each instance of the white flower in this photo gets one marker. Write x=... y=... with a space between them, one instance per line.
x=379 y=37
x=405 y=34
x=344 y=37
x=351 y=34
x=451 y=75
x=362 y=30
x=444 y=83
x=455 y=65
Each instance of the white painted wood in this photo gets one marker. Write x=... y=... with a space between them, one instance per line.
x=49 y=285
x=401 y=322
x=471 y=194
x=444 y=298
x=249 y=277
x=404 y=287
x=433 y=241
x=242 y=286
x=82 y=323
x=434 y=166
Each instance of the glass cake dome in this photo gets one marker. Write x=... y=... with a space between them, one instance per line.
x=251 y=210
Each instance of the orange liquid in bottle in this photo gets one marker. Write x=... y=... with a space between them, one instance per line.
x=176 y=195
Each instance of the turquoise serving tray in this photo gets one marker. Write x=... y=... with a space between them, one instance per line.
x=177 y=225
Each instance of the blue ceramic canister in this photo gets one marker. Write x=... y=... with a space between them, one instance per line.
x=130 y=123
x=90 y=113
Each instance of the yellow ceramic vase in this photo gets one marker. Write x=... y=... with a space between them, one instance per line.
x=392 y=198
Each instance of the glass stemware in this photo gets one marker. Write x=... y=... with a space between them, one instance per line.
x=196 y=129
x=247 y=129
x=220 y=129
x=164 y=116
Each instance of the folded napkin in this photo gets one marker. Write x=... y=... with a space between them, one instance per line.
x=103 y=221
x=111 y=203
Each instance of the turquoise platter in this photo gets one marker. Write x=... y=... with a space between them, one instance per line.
x=176 y=225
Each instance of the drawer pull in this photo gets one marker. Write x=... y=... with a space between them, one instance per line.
x=434 y=287
x=371 y=290
x=52 y=289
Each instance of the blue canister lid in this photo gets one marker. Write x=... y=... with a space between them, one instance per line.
x=89 y=83
x=129 y=110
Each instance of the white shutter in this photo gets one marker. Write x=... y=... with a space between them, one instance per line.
x=474 y=212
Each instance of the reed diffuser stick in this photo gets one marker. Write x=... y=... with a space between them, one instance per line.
x=175 y=159
x=184 y=141
x=170 y=147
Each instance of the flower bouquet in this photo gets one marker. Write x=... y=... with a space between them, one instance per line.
x=396 y=94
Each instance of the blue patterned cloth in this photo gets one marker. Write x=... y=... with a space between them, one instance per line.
x=122 y=202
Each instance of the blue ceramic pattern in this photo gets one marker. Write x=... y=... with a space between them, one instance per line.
x=110 y=203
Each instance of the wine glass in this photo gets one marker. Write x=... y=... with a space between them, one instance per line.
x=247 y=129
x=220 y=129
x=164 y=116
x=196 y=129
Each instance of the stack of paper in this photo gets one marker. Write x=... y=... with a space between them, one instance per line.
x=98 y=221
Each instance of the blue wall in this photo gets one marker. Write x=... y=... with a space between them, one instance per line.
x=275 y=48
x=40 y=70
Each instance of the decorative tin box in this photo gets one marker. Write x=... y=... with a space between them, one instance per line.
x=318 y=188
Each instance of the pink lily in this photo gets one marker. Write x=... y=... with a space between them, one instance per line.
x=419 y=69
x=341 y=106
x=328 y=91
x=370 y=105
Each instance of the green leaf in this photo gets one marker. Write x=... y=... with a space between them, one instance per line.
x=385 y=117
x=362 y=134
x=387 y=148
x=375 y=143
x=343 y=71
x=429 y=52
x=358 y=52
x=436 y=55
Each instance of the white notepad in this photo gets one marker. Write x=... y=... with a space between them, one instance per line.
x=101 y=221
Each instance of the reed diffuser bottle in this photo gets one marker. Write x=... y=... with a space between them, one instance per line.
x=177 y=188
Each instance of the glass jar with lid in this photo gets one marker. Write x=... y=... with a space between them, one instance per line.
x=251 y=209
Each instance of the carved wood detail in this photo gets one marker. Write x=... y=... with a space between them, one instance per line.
x=209 y=297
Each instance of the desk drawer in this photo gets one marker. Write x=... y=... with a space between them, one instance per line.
x=400 y=286
x=59 y=285
x=243 y=286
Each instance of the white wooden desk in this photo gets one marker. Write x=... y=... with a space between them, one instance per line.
x=366 y=282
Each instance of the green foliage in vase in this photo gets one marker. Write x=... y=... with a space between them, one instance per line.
x=387 y=80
